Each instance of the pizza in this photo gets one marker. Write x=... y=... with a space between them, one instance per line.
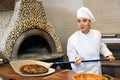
x=33 y=69
x=88 y=76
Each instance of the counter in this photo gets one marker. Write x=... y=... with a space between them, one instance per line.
x=7 y=72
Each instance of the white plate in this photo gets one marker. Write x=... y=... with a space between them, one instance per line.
x=18 y=63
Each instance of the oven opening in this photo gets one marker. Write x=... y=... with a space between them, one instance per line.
x=33 y=46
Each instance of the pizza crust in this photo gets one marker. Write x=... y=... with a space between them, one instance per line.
x=88 y=76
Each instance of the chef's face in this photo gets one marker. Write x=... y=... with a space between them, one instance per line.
x=84 y=24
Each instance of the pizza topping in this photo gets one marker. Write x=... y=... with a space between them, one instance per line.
x=88 y=76
x=33 y=69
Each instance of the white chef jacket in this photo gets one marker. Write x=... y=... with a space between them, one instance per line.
x=87 y=47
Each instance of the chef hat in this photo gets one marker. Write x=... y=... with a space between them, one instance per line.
x=86 y=13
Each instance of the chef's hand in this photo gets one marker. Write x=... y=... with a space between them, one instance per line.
x=77 y=60
x=111 y=57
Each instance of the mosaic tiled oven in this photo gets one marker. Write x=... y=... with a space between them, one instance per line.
x=29 y=34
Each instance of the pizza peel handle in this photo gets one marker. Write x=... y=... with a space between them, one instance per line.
x=96 y=60
x=63 y=62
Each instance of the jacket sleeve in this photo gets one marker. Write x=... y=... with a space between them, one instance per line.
x=104 y=50
x=71 y=52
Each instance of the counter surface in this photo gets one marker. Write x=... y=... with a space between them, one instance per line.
x=7 y=72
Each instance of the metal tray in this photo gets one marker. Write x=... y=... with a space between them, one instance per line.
x=108 y=76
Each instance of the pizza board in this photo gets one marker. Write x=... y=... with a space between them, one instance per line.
x=18 y=63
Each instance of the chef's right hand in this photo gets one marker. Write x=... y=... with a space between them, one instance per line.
x=77 y=60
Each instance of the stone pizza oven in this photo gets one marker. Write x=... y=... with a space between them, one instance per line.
x=29 y=35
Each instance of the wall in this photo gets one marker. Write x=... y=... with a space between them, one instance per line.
x=62 y=15
x=107 y=13
x=6 y=5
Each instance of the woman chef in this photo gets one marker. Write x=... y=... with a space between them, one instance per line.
x=86 y=44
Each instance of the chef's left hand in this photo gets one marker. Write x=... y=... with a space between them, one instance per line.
x=111 y=57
